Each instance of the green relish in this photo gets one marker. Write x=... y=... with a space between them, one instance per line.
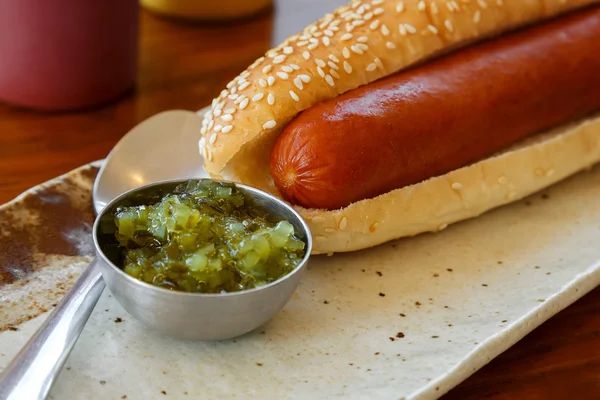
x=205 y=237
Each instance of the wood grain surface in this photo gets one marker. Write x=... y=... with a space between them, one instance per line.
x=182 y=66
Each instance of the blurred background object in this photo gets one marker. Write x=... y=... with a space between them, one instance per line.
x=207 y=9
x=292 y=16
x=67 y=54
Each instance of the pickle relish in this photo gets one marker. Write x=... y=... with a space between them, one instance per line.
x=204 y=237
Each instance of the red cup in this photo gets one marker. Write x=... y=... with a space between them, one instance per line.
x=67 y=54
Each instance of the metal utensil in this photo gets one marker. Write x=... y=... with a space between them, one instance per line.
x=159 y=148
x=202 y=316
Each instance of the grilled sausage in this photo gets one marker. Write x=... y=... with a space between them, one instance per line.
x=440 y=116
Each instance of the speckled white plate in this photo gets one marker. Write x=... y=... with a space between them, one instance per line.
x=408 y=319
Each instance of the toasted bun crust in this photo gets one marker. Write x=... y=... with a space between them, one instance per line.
x=358 y=44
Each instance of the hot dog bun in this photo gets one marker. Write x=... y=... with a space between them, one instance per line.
x=390 y=35
x=240 y=129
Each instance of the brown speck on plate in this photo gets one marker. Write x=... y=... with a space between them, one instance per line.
x=103 y=382
x=377 y=353
x=402 y=315
x=124 y=396
x=436 y=275
x=379 y=273
x=325 y=302
x=382 y=294
x=537 y=267
x=400 y=335
x=504 y=320
x=163 y=392
x=118 y=319
x=500 y=262
x=259 y=364
x=392 y=339
x=449 y=269
x=484 y=284
x=417 y=303
x=435 y=337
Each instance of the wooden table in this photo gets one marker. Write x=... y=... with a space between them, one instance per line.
x=184 y=66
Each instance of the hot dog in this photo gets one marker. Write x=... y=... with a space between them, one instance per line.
x=440 y=116
x=501 y=103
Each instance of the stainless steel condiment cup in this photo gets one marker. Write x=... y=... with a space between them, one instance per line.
x=199 y=316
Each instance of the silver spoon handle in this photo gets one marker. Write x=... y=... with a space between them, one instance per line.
x=32 y=372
